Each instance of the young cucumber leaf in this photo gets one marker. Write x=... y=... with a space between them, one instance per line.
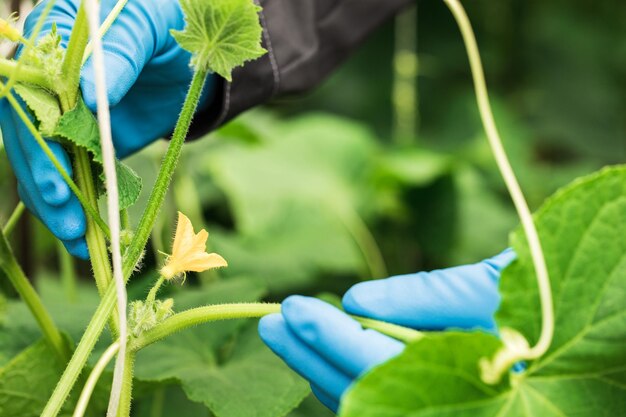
x=221 y=34
x=79 y=126
x=583 y=374
x=42 y=104
x=223 y=365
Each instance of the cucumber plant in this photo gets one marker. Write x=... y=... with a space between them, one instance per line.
x=578 y=341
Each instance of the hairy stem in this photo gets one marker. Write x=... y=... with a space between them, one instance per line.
x=541 y=270
x=107 y=303
x=68 y=273
x=219 y=312
x=14 y=219
x=81 y=354
x=94 y=376
x=73 y=61
x=166 y=171
x=26 y=74
x=127 y=385
x=16 y=275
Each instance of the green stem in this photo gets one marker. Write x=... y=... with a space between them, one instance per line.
x=125 y=218
x=366 y=242
x=90 y=208
x=219 y=312
x=393 y=330
x=98 y=251
x=127 y=385
x=16 y=275
x=164 y=177
x=81 y=354
x=107 y=303
x=68 y=273
x=73 y=62
x=155 y=290
x=26 y=74
x=543 y=279
x=14 y=219
x=94 y=376
x=201 y=315
x=405 y=64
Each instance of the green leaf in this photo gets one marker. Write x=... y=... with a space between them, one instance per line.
x=582 y=229
x=43 y=104
x=221 y=34
x=223 y=365
x=80 y=127
x=435 y=376
x=583 y=374
x=28 y=380
x=293 y=197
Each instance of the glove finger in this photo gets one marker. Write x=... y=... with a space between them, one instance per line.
x=306 y=362
x=66 y=221
x=337 y=337
x=465 y=297
x=48 y=181
x=325 y=398
x=76 y=247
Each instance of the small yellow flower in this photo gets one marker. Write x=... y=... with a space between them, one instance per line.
x=7 y=31
x=189 y=251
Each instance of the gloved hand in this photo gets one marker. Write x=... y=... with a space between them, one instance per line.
x=330 y=349
x=147 y=77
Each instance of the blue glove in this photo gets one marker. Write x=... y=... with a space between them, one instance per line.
x=330 y=349
x=147 y=75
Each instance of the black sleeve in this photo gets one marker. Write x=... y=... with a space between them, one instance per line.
x=306 y=40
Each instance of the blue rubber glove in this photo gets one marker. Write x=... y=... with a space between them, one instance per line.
x=147 y=76
x=330 y=349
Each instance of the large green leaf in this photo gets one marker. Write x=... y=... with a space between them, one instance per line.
x=27 y=381
x=19 y=329
x=295 y=198
x=223 y=365
x=435 y=376
x=221 y=34
x=583 y=374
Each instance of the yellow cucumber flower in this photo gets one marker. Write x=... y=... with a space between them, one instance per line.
x=189 y=251
x=7 y=31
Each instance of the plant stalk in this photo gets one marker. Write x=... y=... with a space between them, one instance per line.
x=134 y=253
x=218 y=312
x=486 y=114
x=94 y=376
x=127 y=385
x=9 y=69
x=142 y=234
x=14 y=219
x=73 y=62
x=68 y=272
x=16 y=275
